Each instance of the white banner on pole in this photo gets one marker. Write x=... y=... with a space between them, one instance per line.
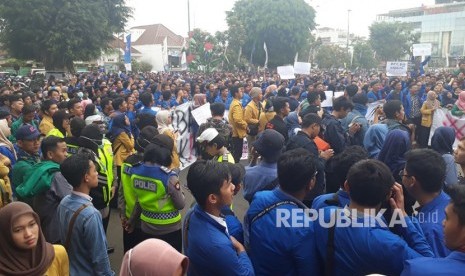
x=185 y=140
x=396 y=68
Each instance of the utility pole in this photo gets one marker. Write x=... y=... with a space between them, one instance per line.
x=348 y=28
x=188 y=17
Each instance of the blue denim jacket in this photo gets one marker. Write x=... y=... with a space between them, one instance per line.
x=88 y=246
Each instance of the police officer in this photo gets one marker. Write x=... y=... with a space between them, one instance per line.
x=132 y=234
x=158 y=193
x=215 y=145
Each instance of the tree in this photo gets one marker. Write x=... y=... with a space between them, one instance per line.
x=207 y=50
x=58 y=32
x=363 y=55
x=145 y=66
x=331 y=56
x=392 y=41
x=284 y=25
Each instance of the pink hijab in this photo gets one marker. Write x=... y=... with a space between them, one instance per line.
x=153 y=257
x=461 y=101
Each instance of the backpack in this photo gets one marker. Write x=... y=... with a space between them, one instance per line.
x=223 y=128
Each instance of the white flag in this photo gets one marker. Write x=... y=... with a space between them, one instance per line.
x=266 y=55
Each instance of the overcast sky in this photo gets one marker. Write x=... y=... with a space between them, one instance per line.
x=209 y=15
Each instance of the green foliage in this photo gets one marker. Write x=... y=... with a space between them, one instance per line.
x=392 y=41
x=206 y=59
x=331 y=56
x=283 y=24
x=145 y=66
x=58 y=32
x=363 y=56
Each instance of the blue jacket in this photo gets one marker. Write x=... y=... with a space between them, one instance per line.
x=147 y=110
x=452 y=265
x=258 y=177
x=227 y=103
x=245 y=100
x=342 y=197
x=281 y=250
x=430 y=217
x=406 y=99
x=209 y=247
x=368 y=250
x=88 y=246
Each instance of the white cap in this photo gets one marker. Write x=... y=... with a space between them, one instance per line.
x=94 y=118
x=207 y=135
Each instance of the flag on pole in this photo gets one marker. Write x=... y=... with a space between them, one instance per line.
x=266 y=55
x=127 y=53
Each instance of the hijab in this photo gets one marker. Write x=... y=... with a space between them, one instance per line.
x=431 y=100
x=15 y=261
x=443 y=139
x=162 y=121
x=397 y=143
x=119 y=126
x=374 y=139
x=4 y=133
x=292 y=123
x=460 y=103
x=153 y=257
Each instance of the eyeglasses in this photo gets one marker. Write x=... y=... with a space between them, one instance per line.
x=401 y=174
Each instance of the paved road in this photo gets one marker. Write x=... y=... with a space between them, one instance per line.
x=115 y=234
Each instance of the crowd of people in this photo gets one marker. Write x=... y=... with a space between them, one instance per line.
x=73 y=150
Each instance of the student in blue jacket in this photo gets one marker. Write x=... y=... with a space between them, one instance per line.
x=454 y=234
x=366 y=245
x=423 y=178
x=207 y=243
x=284 y=250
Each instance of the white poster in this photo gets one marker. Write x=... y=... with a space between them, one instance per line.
x=201 y=114
x=302 y=68
x=329 y=99
x=286 y=72
x=423 y=49
x=396 y=68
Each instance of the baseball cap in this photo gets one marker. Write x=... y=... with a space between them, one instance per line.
x=269 y=144
x=93 y=119
x=27 y=132
x=207 y=135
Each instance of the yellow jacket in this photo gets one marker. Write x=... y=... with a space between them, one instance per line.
x=426 y=115
x=60 y=264
x=251 y=113
x=46 y=125
x=123 y=147
x=236 y=119
x=6 y=194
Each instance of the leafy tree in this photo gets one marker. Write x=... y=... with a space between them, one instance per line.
x=58 y=32
x=207 y=50
x=363 y=56
x=331 y=56
x=145 y=66
x=392 y=41
x=284 y=25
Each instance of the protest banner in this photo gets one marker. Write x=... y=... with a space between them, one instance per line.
x=396 y=68
x=302 y=68
x=185 y=139
x=329 y=99
x=286 y=72
x=423 y=49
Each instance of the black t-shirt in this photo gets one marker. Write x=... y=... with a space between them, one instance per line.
x=278 y=124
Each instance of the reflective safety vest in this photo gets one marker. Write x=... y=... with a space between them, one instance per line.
x=149 y=183
x=55 y=132
x=72 y=149
x=227 y=157
x=130 y=196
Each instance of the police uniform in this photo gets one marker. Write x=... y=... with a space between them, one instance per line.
x=158 y=193
x=227 y=157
